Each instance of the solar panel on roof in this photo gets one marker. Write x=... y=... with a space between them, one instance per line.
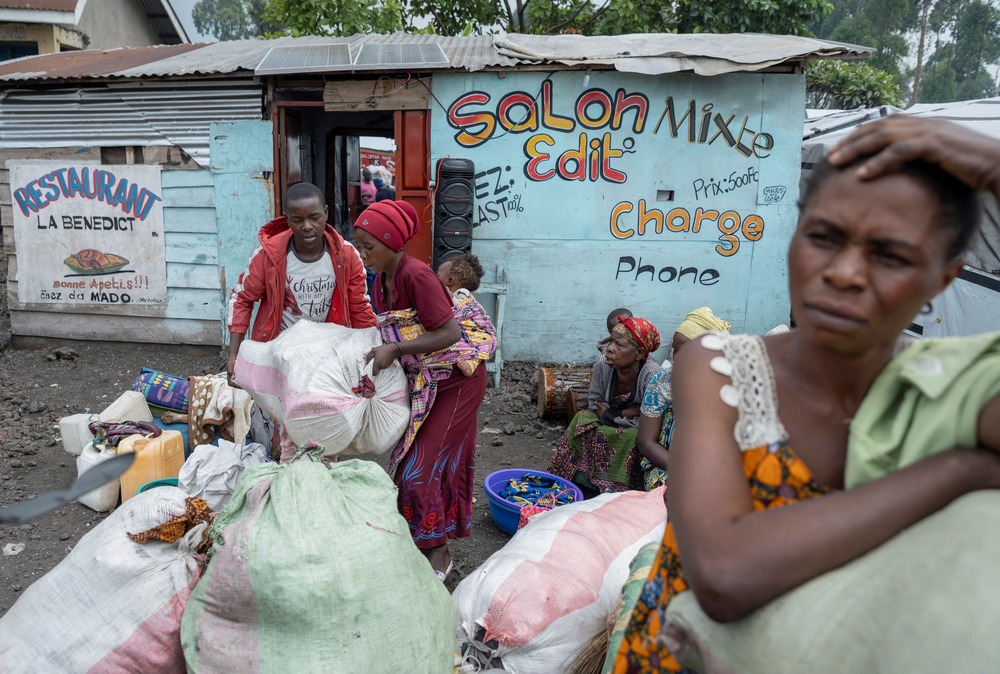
x=305 y=59
x=396 y=54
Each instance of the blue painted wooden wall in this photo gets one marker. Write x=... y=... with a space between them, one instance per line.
x=242 y=164
x=191 y=246
x=568 y=232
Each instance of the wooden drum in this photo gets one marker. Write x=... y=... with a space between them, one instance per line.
x=554 y=382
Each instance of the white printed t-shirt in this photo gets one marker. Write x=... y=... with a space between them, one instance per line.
x=308 y=289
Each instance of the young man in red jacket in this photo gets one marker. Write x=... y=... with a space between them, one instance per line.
x=302 y=270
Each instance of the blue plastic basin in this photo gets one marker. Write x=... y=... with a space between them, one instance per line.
x=506 y=514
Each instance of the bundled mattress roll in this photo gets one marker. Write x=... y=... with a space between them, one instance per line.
x=313 y=380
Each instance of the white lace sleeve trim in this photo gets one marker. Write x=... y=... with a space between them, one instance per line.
x=752 y=391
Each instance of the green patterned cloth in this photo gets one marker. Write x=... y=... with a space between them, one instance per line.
x=639 y=570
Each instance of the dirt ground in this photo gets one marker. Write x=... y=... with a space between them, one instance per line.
x=37 y=388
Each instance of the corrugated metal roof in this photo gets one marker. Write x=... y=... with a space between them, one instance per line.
x=122 y=114
x=464 y=53
x=87 y=63
x=659 y=53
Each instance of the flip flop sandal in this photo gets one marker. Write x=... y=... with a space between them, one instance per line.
x=441 y=575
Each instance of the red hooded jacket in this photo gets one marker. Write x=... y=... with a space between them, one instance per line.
x=264 y=281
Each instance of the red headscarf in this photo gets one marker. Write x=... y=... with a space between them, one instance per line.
x=391 y=222
x=641 y=332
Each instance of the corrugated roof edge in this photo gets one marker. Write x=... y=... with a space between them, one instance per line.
x=472 y=53
x=88 y=63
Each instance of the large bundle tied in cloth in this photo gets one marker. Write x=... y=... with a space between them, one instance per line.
x=535 y=604
x=312 y=569
x=313 y=379
x=115 y=603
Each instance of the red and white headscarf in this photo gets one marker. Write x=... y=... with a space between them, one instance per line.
x=641 y=332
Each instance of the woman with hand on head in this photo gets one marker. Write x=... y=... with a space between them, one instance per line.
x=760 y=456
x=434 y=463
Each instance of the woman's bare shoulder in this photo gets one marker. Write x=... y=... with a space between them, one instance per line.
x=701 y=369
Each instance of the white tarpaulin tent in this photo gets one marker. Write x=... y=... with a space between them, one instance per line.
x=971 y=304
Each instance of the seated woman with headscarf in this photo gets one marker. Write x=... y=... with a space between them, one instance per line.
x=598 y=451
x=656 y=424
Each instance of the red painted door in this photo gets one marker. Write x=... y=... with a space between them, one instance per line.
x=291 y=137
x=413 y=156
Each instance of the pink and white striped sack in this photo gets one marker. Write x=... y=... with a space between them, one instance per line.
x=536 y=602
x=113 y=605
x=313 y=380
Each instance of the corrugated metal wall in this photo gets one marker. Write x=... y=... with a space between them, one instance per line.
x=112 y=114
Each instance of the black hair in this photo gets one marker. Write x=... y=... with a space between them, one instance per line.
x=366 y=174
x=961 y=209
x=467 y=269
x=303 y=192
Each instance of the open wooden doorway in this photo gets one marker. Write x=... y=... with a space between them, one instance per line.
x=305 y=126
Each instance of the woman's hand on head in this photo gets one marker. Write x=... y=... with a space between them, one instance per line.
x=971 y=157
x=381 y=357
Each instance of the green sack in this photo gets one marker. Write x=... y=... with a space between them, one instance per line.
x=312 y=569
x=925 y=601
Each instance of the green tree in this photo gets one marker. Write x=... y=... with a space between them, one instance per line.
x=231 y=19
x=959 y=69
x=616 y=17
x=873 y=23
x=336 y=17
x=780 y=17
x=456 y=18
x=840 y=84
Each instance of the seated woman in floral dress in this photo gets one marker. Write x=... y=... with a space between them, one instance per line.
x=656 y=424
x=598 y=451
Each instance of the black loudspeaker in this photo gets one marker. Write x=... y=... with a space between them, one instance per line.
x=453 y=204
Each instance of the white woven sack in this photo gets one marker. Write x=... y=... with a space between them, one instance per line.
x=308 y=379
x=113 y=605
x=536 y=602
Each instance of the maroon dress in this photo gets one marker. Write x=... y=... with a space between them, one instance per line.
x=436 y=478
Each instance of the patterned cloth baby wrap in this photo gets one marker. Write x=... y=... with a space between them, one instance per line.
x=425 y=370
x=477 y=330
